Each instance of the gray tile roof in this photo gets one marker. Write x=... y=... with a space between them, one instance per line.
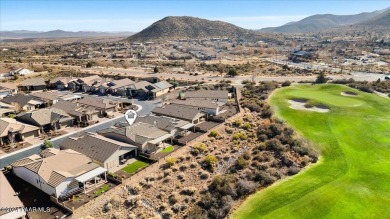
x=177 y=111
x=210 y=94
x=120 y=83
x=162 y=122
x=94 y=146
x=163 y=85
x=20 y=99
x=196 y=103
x=139 y=132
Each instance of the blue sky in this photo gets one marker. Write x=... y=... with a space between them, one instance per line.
x=124 y=15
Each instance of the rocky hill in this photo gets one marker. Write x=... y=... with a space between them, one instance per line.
x=322 y=22
x=177 y=27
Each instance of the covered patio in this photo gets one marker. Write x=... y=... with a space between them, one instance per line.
x=92 y=179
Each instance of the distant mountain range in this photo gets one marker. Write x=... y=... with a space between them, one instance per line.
x=322 y=22
x=19 y=34
x=185 y=27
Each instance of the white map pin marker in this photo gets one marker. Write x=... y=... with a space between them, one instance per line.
x=130 y=116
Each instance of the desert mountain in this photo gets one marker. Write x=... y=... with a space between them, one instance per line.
x=321 y=22
x=175 y=27
x=58 y=34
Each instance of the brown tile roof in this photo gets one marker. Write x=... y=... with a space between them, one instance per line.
x=98 y=102
x=66 y=163
x=121 y=83
x=33 y=82
x=94 y=146
x=20 y=99
x=8 y=86
x=8 y=124
x=45 y=95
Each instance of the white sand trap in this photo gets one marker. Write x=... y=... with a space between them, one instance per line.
x=299 y=105
x=348 y=95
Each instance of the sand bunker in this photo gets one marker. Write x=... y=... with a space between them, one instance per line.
x=349 y=94
x=301 y=105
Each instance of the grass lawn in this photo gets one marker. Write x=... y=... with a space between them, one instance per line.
x=352 y=178
x=131 y=168
x=167 y=149
x=102 y=189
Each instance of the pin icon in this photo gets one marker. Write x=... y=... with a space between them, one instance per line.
x=130 y=116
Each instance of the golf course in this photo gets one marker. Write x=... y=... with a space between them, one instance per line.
x=352 y=177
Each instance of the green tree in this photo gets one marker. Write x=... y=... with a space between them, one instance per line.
x=47 y=144
x=321 y=78
x=232 y=72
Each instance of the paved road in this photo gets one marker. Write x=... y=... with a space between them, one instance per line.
x=147 y=107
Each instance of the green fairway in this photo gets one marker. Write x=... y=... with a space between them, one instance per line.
x=131 y=168
x=352 y=178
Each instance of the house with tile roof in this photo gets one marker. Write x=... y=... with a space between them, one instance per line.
x=24 y=102
x=106 y=152
x=60 y=173
x=145 y=136
x=101 y=105
x=32 y=84
x=46 y=119
x=177 y=127
x=14 y=131
x=189 y=114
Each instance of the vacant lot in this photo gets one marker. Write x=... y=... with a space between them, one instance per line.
x=352 y=178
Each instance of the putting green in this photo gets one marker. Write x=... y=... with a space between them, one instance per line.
x=352 y=178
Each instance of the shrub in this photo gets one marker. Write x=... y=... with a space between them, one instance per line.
x=210 y=162
x=170 y=161
x=244 y=187
x=173 y=198
x=213 y=134
x=239 y=136
x=246 y=126
x=188 y=191
x=237 y=123
x=47 y=144
x=199 y=148
x=241 y=163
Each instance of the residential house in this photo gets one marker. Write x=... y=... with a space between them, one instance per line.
x=120 y=87
x=46 y=119
x=146 y=137
x=50 y=98
x=104 y=151
x=33 y=84
x=5 y=73
x=7 y=89
x=13 y=131
x=60 y=173
x=9 y=200
x=88 y=82
x=179 y=112
x=6 y=110
x=221 y=96
x=83 y=116
x=61 y=83
x=103 y=106
x=208 y=106
x=21 y=72
x=176 y=127
x=24 y=102
x=163 y=88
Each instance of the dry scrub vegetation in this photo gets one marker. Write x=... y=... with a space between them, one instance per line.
x=235 y=160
